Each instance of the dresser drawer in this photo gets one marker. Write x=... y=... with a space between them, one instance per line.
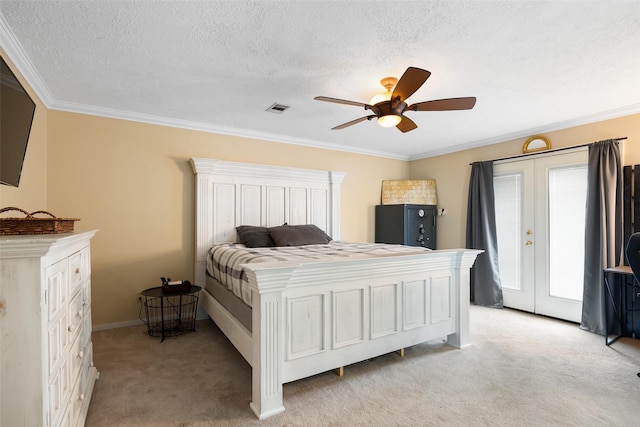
x=81 y=391
x=75 y=272
x=88 y=363
x=86 y=293
x=75 y=317
x=86 y=328
x=76 y=358
x=75 y=402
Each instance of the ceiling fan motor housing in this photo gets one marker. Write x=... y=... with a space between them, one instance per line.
x=389 y=108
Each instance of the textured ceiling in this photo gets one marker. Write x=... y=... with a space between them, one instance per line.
x=534 y=66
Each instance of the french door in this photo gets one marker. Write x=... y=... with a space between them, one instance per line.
x=540 y=219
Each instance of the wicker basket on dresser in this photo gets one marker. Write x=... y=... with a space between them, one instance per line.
x=46 y=355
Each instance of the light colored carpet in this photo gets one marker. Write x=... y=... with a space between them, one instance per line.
x=522 y=370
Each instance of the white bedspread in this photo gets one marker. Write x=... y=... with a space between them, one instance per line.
x=225 y=262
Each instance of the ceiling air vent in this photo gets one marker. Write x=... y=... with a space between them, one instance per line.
x=277 y=108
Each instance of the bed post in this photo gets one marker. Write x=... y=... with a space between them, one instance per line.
x=464 y=261
x=335 y=181
x=268 y=347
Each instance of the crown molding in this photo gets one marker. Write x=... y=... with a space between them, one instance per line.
x=10 y=44
x=206 y=127
x=578 y=121
x=264 y=136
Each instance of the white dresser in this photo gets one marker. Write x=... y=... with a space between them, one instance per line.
x=46 y=356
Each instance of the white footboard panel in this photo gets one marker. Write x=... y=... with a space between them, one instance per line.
x=327 y=330
x=312 y=317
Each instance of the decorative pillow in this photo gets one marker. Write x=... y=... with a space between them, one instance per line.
x=298 y=235
x=254 y=237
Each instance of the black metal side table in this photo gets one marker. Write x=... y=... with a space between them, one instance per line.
x=170 y=313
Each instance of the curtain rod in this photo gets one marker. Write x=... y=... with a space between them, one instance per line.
x=549 y=151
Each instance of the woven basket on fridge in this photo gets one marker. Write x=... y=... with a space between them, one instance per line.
x=32 y=225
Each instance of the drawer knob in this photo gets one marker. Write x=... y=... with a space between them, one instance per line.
x=78 y=270
x=79 y=314
x=80 y=354
x=81 y=397
x=71 y=328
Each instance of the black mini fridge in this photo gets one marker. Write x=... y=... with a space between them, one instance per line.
x=411 y=225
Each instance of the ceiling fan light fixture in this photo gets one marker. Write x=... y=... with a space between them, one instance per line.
x=381 y=97
x=388 y=83
x=390 y=120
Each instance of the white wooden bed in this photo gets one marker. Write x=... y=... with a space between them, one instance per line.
x=311 y=317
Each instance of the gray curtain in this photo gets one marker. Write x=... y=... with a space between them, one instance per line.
x=603 y=228
x=486 y=289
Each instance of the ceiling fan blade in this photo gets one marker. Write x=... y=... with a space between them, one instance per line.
x=410 y=82
x=406 y=124
x=342 y=101
x=444 y=104
x=353 y=122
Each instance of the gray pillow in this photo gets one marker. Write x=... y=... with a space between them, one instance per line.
x=298 y=235
x=254 y=237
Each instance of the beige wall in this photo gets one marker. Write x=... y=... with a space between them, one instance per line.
x=133 y=182
x=31 y=194
x=452 y=171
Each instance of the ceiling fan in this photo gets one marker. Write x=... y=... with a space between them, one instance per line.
x=389 y=107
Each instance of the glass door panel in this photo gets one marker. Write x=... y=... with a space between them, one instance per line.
x=508 y=206
x=567 y=195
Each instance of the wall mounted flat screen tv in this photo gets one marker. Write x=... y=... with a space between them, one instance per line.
x=16 y=116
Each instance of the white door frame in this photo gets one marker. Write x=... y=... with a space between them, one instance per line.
x=533 y=237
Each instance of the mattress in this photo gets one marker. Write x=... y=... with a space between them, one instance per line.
x=225 y=261
x=229 y=301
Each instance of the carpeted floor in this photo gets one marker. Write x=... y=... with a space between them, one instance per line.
x=522 y=370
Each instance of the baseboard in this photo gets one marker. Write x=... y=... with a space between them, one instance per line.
x=138 y=322
x=126 y=324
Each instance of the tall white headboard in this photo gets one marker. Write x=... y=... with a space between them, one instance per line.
x=229 y=194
